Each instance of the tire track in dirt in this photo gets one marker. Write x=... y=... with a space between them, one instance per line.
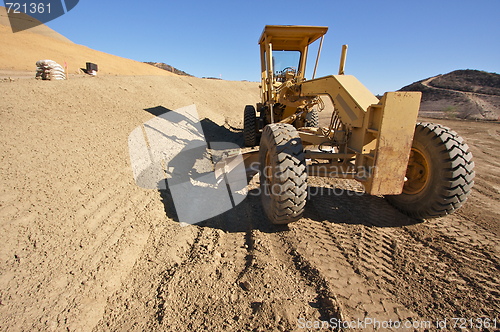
x=277 y=244
x=381 y=263
x=237 y=273
x=138 y=303
x=354 y=255
x=94 y=251
x=350 y=257
x=116 y=238
x=462 y=274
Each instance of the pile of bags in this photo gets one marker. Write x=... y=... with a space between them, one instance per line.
x=49 y=70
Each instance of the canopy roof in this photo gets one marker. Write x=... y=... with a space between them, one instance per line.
x=291 y=37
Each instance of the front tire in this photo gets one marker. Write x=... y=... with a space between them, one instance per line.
x=283 y=173
x=440 y=173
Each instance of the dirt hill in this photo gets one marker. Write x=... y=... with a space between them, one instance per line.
x=464 y=94
x=21 y=50
x=25 y=22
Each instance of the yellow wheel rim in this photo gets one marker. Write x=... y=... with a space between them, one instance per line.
x=417 y=173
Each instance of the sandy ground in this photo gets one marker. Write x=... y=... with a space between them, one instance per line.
x=83 y=248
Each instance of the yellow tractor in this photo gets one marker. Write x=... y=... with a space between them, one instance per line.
x=425 y=170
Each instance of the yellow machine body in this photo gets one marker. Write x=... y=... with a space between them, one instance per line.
x=378 y=134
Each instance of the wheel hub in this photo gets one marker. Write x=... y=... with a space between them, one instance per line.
x=417 y=173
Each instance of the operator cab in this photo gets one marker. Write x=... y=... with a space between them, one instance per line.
x=284 y=51
x=285 y=64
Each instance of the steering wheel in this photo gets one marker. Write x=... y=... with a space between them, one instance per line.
x=286 y=69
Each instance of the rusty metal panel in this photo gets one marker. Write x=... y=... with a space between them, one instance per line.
x=395 y=137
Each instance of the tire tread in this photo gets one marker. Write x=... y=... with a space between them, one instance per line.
x=291 y=173
x=456 y=178
x=249 y=126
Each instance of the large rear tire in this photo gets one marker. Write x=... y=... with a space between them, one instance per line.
x=440 y=173
x=249 y=126
x=283 y=173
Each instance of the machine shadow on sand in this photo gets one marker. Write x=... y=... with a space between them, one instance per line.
x=343 y=206
x=346 y=208
x=157 y=110
x=333 y=205
x=213 y=132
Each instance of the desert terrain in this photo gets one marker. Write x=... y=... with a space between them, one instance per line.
x=83 y=248
x=461 y=94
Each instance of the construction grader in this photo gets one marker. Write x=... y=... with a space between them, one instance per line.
x=425 y=170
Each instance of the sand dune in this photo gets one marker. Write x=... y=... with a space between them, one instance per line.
x=20 y=51
x=25 y=22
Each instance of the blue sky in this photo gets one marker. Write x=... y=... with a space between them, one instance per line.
x=391 y=43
